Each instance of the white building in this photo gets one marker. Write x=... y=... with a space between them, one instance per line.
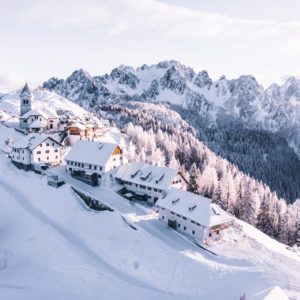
x=192 y=214
x=149 y=180
x=35 y=149
x=35 y=120
x=93 y=158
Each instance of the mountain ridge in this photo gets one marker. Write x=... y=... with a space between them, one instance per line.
x=273 y=109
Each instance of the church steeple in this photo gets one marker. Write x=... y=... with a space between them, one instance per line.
x=25 y=97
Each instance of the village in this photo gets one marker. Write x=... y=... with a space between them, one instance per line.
x=68 y=149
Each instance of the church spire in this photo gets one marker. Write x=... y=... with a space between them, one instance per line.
x=25 y=100
x=25 y=89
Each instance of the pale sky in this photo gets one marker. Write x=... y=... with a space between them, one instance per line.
x=44 y=38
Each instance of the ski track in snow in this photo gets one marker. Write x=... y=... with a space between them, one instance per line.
x=75 y=241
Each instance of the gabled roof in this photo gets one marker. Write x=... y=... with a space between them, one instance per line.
x=32 y=140
x=147 y=175
x=37 y=124
x=25 y=89
x=94 y=153
x=80 y=125
x=193 y=207
x=45 y=113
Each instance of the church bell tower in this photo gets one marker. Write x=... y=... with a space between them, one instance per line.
x=26 y=97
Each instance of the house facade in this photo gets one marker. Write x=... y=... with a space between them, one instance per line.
x=192 y=215
x=90 y=159
x=149 y=180
x=36 y=149
x=79 y=131
x=39 y=121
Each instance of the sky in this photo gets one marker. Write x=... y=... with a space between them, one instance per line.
x=42 y=39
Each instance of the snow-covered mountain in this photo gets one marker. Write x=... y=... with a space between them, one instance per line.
x=275 y=109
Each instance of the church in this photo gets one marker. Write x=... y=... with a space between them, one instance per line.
x=35 y=120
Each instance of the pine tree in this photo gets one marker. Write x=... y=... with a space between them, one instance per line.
x=193 y=185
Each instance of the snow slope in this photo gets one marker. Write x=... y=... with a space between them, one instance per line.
x=42 y=99
x=53 y=248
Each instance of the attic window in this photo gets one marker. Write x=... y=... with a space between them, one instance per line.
x=216 y=211
x=191 y=208
x=160 y=178
x=145 y=177
x=175 y=201
x=134 y=174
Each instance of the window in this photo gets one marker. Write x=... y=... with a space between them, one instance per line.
x=184 y=218
x=47 y=151
x=193 y=232
x=172 y=213
x=163 y=217
x=56 y=150
x=56 y=157
x=90 y=166
x=95 y=167
x=52 y=144
x=39 y=159
x=38 y=152
x=149 y=188
x=178 y=225
x=41 y=145
x=47 y=144
x=184 y=227
x=193 y=222
x=47 y=157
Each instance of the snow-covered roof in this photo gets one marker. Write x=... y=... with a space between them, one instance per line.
x=31 y=141
x=46 y=113
x=37 y=124
x=94 y=153
x=147 y=175
x=25 y=89
x=193 y=207
x=80 y=126
x=274 y=293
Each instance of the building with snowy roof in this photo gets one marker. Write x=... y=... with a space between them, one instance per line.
x=88 y=159
x=149 y=180
x=80 y=131
x=35 y=120
x=35 y=149
x=192 y=214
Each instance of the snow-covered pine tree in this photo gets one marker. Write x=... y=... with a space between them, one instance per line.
x=194 y=179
